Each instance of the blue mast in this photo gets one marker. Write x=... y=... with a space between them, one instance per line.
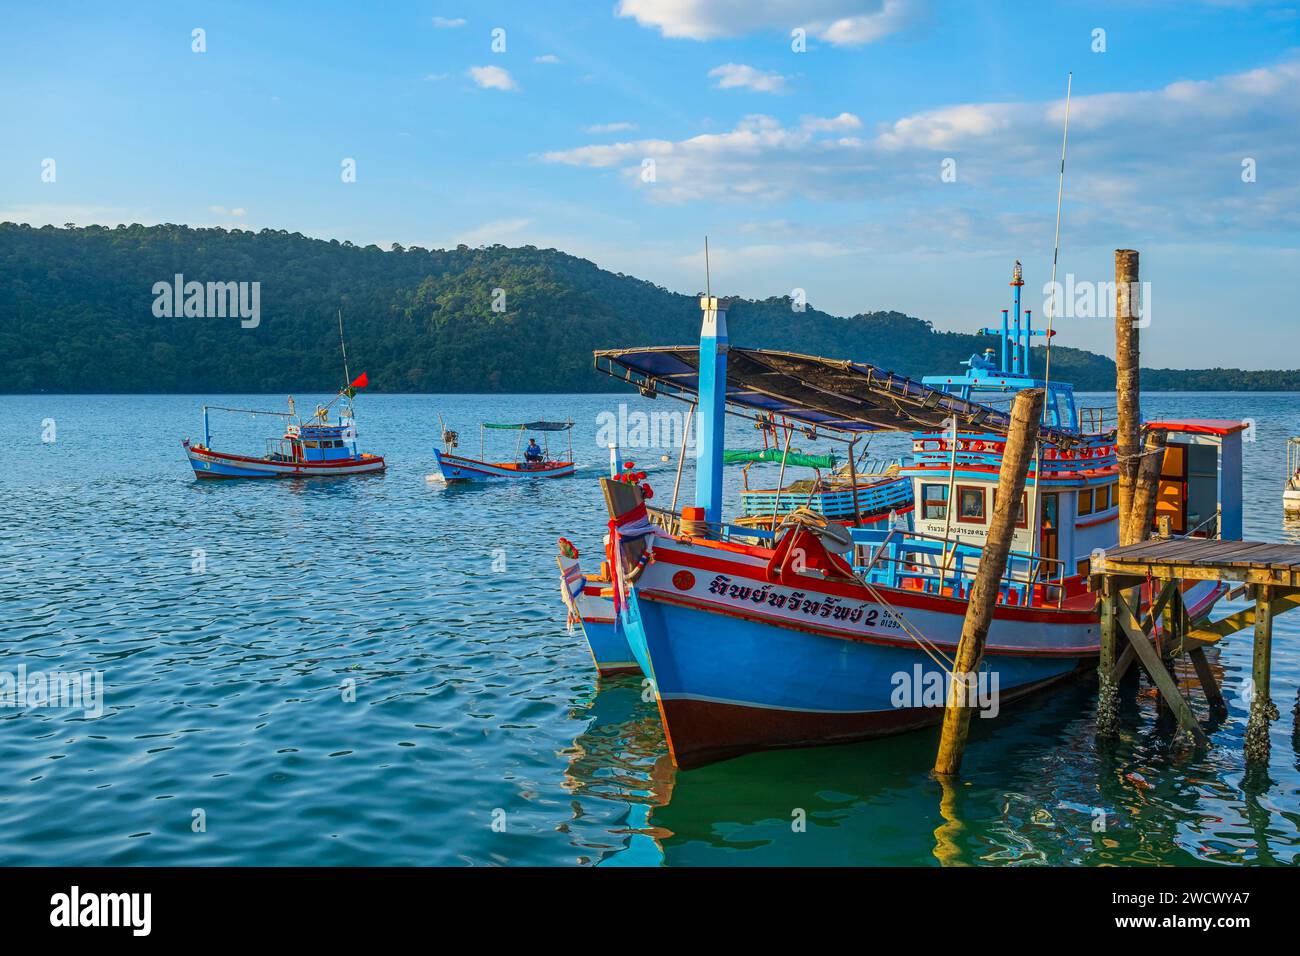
x=1006 y=340
x=1029 y=338
x=713 y=406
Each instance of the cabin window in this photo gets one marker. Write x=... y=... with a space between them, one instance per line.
x=1082 y=568
x=934 y=501
x=1021 y=520
x=1102 y=498
x=309 y=444
x=1085 y=502
x=970 y=505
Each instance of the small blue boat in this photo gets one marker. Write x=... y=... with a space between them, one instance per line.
x=590 y=603
x=458 y=468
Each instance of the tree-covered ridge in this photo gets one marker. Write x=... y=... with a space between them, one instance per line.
x=76 y=315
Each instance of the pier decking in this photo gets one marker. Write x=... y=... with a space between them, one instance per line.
x=1269 y=572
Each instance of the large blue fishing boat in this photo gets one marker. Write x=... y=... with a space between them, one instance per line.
x=813 y=633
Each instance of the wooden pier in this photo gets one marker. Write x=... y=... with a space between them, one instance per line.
x=1269 y=573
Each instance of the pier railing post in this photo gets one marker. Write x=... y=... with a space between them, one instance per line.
x=1127 y=362
x=1022 y=437
x=1262 y=708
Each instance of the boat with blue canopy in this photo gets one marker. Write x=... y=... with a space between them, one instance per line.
x=530 y=461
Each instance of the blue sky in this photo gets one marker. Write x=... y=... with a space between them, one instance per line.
x=818 y=170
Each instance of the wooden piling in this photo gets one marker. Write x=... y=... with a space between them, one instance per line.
x=1262 y=708
x=1107 y=671
x=1147 y=486
x=1127 y=362
x=1022 y=438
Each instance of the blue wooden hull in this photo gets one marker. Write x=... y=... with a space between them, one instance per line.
x=752 y=686
x=609 y=648
x=212 y=464
x=742 y=664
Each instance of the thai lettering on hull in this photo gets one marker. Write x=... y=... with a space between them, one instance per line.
x=800 y=605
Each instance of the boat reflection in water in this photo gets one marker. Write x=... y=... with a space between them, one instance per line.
x=620 y=761
x=876 y=803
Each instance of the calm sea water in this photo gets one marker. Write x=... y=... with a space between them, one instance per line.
x=229 y=619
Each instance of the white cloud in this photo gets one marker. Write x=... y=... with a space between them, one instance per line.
x=492 y=78
x=1160 y=163
x=443 y=23
x=610 y=127
x=546 y=58
x=838 y=22
x=223 y=211
x=739 y=75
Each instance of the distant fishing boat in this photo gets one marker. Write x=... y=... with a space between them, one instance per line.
x=1291 y=493
x=533 y=461
x=315 y=448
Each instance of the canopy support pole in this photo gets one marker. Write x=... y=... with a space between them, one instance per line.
x=207 y=437
x=681 y=457
x=853 y=480
x=780 y=478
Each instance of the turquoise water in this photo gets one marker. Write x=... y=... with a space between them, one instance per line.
x=376 y=671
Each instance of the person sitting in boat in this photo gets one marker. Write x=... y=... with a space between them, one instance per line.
x=533 y=453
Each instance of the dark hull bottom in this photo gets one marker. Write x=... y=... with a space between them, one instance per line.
x=704 y=732
x=617 y=671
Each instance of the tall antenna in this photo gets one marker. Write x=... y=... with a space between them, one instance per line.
x=708 y=282
x=344 y=346
x=1056 y=245
x=1051 y=303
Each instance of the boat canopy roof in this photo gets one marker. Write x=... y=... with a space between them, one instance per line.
x=836 y=394
x=531 y=426
x=738 y=456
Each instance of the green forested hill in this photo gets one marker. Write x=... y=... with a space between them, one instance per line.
x=76 y=315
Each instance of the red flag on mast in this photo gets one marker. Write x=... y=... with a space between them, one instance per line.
x=359 y=382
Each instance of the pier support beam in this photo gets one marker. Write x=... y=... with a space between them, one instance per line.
x=1158 y=672
x=1022 y=438
x=1262 y=708
x=1127 y=362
